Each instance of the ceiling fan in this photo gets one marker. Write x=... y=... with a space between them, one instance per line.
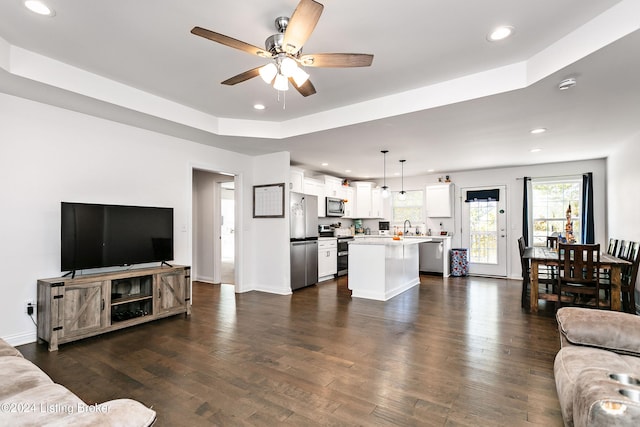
x=285 y=51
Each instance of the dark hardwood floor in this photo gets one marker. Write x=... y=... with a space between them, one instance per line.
x=450 y=352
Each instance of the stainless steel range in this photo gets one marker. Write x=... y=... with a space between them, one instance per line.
x=343 y=254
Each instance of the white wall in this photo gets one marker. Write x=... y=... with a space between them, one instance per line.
x=49 y=155
x=204 y=197
x=271 y=235
x=623 y=176
x=510 y=178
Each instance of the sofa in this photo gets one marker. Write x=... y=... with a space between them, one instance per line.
x=28 y=397
x=597 y=370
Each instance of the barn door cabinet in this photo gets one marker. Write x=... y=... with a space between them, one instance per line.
x=70 y=309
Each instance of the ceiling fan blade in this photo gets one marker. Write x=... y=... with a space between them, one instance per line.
x=336 y=60
x=230 y=41
x=305 y=89
x=242 y=77
x=301 y=25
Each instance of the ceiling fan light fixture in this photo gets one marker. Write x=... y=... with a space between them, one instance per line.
x=300 y=76
x=268 y=72
x=281 y=83
x=288 y=67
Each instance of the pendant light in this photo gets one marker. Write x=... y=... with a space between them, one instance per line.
x=403 y=194
x=385 y=189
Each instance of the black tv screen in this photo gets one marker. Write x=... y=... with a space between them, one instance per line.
x=94 y=235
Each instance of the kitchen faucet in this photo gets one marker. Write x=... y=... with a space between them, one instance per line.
x=405 y=228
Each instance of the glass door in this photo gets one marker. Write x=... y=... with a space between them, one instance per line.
x=484 y=230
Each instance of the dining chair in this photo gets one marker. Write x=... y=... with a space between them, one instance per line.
x=549 y=273
x=612 y=249
x=526 y=273
x=623 y=249
x=579 y=274
x=629 y=276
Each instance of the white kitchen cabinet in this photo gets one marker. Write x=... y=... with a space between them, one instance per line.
x=315 y=187
x=332 y=186
x=348 y=194
x=368 y=200
x=363 y=199
x=327 y=259
x=376 y=203
x=440 y=200
x=296 y=180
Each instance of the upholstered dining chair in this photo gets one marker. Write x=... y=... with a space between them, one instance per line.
x=579 y=273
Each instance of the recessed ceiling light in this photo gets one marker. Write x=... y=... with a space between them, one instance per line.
x=500 y=33
x=259 y=107
x=39 y=7
x=347 y=170
x=536 y=150
x=538 y=130
x=431 y=170
x=325 y=164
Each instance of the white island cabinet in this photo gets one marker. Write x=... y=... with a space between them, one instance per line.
x=381 y=268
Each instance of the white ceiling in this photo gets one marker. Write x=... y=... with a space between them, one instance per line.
x=438 y=94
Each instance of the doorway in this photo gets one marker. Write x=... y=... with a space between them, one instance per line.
x=484 y=230
x=213 y=243
x=227 y=232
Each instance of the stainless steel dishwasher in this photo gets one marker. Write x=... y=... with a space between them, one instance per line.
x=431 y=254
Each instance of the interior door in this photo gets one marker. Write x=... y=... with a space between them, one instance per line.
x=484 y=230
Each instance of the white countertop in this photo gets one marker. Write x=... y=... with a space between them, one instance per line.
x=385 y=240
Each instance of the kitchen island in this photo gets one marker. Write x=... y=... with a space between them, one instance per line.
x=381 y=268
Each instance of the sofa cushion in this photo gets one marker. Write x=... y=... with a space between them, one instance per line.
x=610 y=330
x=8 y=350
x=119 y=412
x=54 y=405
x=571 y=361
x=39 y=406
x=19 y=374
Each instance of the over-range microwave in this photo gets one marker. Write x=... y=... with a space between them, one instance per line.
x=335 y=207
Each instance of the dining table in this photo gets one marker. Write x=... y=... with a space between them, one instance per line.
x=542 y=255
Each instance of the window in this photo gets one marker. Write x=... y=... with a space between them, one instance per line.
x=550 y=200
x=411 y=208
x=483 y=232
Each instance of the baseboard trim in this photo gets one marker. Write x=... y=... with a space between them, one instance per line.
x=20 y=339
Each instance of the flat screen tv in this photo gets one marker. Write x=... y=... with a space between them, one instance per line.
x=94 y=235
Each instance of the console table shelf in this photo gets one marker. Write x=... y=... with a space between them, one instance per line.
x=70 y=309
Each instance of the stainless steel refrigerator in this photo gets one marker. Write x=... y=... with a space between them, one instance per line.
x=303 y=217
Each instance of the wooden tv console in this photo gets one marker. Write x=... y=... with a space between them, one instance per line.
x=70 y=309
